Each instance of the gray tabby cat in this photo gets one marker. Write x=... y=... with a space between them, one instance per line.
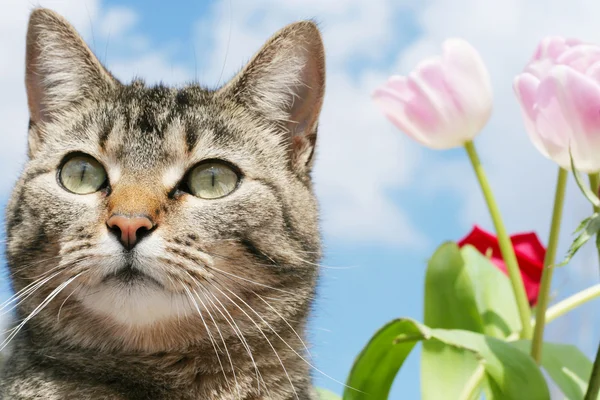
x=164 y=242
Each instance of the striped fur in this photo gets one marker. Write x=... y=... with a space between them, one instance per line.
x=230 y=282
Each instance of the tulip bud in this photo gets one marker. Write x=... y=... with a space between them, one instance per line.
x=444 y=102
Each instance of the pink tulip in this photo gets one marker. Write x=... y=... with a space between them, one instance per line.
x=559 y=94
x=547 y=54
x=444 y=102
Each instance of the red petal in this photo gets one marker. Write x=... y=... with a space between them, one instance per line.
x=529 y=251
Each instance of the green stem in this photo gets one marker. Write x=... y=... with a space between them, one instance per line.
x=568 y=304
x=594 y=383
x=544 y=293
x=473 y=385
x=571 y=303
x=594 y=185
x=506 y=248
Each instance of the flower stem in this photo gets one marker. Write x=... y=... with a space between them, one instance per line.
x=506 y=248
x=544 y=294
x=594 y=383
x=571 y=303
x=594 y=185
x=565 y=306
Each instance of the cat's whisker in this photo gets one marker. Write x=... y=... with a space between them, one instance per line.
x=220 y=335
x=263 y=334
x=210 y=336
x=322 y=266
x=33 y=264
x=27 y=293
x=63 y=303
x=176 y=303
x=235 y=381
x=29 y=289
x=236 y=329
x=248 y=280
x=286 y=343
x=36 y=310
x=286 y=322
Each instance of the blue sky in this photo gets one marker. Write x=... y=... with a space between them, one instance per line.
x=386 y=202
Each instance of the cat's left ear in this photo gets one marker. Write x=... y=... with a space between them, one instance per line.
x=285 y=82
x=60 y=70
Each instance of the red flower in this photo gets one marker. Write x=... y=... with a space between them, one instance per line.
x=529 y=251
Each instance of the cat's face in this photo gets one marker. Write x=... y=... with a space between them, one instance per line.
x=140 y=207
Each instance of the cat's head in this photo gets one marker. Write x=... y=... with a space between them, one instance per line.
x=143 y=212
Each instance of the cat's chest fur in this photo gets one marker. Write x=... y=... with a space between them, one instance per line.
x=57 y=373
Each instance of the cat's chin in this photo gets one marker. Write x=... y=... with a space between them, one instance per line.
x=134 y=301
x=129 y=277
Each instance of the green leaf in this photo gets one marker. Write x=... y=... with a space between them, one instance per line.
x=493 y=295
x=325 y=394
x=454 y=364
x=510 y=373
x=376 y=366
x=586 y=229
x=585 y=189
x=465 y=290
x=449 y=292
x=568 y=367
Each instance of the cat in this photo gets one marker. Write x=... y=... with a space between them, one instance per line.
x=164 y=242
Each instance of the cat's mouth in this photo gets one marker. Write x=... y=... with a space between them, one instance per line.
x=129 y=275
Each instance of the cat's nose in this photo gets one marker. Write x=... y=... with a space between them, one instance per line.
x=129 y=229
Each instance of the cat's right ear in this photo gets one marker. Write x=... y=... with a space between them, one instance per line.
x=60 y=70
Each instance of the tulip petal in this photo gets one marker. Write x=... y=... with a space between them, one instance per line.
x=594 y=71
x=579 y=98
x=580 y=57
x=467 y=75
x=552 y=47
x=525 y=86
x=407 y=108
x=444 y=102
x=554 y=130
x=547 y=53
x=431 y=81
x=540 y=130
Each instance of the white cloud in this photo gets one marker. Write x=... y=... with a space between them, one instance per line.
x=117 y=21
x=360 y=155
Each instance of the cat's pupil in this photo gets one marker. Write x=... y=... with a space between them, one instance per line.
x=83 y=170
x=212 y=177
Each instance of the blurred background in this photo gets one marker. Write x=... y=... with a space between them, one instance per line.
x=386 y=202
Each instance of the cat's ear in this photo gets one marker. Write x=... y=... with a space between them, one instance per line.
x=285 y=81
x=60 y=69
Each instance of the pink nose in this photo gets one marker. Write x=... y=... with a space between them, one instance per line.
x=129 y=230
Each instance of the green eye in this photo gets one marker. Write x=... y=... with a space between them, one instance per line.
x=82 y=175
x=212 y=180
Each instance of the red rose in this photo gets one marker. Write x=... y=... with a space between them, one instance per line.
x=529 y=251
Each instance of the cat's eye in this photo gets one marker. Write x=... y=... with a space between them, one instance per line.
x=82 y=174
x=212 y=180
